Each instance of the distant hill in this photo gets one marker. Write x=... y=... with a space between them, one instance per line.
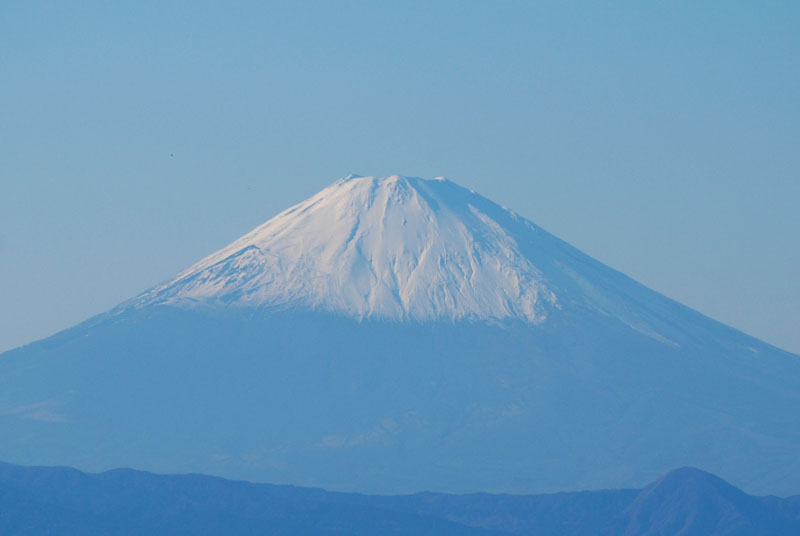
x=55 y=500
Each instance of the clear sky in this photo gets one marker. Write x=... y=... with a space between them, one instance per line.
x=663 y=138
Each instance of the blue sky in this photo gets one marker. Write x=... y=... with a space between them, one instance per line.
x=660 y=137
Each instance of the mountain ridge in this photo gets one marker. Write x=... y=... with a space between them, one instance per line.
x=41 y=500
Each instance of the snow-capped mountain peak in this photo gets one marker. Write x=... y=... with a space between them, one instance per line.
x=393 y=247
x=351 y=342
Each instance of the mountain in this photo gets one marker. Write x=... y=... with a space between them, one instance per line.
x=691 y=502
x=56 y=500
x=395 y=335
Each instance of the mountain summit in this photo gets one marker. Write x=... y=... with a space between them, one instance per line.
x=394 y=247
x=404 y=248
x=399 y=334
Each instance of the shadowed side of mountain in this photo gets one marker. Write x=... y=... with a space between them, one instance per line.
x=55 y=500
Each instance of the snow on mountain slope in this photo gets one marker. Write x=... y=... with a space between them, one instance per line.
x=402 y=248
x=393 y=247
